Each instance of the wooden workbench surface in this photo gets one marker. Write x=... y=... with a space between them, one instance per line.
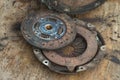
x=17 y=61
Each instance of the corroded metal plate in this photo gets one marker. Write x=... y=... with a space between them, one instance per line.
x=83 y=53
x=48 y=30
x=72 y=62
x=73 y=6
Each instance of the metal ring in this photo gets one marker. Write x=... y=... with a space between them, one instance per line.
x=55 y=5
x=90 y=52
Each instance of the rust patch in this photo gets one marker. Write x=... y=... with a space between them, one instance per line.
x=89 y=53
x=76 y=48
x=29 y=31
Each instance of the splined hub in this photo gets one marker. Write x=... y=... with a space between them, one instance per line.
x=47 y=30
x=83 y=53
x=73 y=6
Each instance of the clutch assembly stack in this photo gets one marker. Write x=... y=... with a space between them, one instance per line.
x=64 y=44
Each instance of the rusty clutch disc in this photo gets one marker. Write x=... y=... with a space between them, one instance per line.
x=73 y=6
x=47 y=30
x=83 y=53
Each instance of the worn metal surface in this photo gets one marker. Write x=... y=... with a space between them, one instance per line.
x=76 y=56
x=73 y=6
x=89 y=53
x=48 y=30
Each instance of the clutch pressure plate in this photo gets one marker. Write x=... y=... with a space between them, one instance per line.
x=73 y=6
x=63 y=44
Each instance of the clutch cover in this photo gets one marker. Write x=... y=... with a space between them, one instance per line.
x=83 y=53
x=48 y=30
x=73 y=6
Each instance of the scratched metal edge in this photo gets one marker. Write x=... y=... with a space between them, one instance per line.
x=81 y=10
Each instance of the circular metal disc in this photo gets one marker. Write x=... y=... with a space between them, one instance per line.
x=48 y=30
x=86 y=56
x=73 y=6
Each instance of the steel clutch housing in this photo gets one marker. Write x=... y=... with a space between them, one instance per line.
x=84 y=52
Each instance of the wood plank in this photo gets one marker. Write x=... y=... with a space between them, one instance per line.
x=17 y=61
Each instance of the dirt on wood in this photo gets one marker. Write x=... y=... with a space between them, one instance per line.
x=17 y=61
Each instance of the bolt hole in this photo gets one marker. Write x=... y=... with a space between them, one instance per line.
x=36 y=50
x=48 y=26
x=103 y=48
x=81 y=68
x=46 y=62
x=90 y=25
